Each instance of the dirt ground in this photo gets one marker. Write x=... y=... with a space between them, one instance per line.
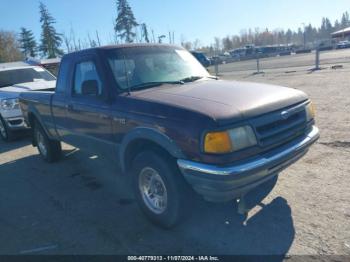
x=81 y=206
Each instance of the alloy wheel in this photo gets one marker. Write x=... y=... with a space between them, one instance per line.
x=153 y=190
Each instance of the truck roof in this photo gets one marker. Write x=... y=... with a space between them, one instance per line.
x=119 y=46
x=135 y=45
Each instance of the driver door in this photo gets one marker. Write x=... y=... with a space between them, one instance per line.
x=89 y=115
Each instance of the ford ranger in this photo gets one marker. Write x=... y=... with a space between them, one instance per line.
x=173 y=128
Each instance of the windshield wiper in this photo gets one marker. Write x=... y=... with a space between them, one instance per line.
x=191 y=79
x=154 y=84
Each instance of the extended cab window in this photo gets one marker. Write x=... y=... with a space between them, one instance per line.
x=86 y=71
x=62 y=76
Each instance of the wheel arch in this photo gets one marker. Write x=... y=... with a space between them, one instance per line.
x=146 y=138
x=33 y=116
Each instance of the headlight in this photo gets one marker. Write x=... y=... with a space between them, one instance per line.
x=310 y=111
x=9 y=104
x=230 y=140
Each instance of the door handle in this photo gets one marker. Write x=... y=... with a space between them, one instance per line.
x=69 y=107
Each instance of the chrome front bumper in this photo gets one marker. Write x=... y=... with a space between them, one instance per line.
x=220 y=183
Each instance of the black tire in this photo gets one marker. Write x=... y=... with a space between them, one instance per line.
x=177 y=190
x=5 y=133
x=50 y=150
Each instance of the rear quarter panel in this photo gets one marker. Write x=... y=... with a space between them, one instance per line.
x=38 y=104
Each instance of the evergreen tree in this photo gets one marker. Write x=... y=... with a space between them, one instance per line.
x=337 y=25
x=345 y=21
x=289 y=35
x=27 y=42
x=50 y=39
x=125 y=21
x=145 y=32
x=326 y=28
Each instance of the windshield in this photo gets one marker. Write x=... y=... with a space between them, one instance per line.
x=136 y=67
x=24 y=75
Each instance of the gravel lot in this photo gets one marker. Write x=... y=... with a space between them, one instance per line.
x=80 y=205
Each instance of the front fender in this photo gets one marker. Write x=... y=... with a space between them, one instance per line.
x=152 y=135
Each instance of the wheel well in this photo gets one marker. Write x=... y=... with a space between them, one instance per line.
x=140 y=145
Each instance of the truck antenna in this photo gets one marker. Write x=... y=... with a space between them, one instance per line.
x=126 y=76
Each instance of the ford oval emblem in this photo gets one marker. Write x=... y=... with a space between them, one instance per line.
x=285 y=114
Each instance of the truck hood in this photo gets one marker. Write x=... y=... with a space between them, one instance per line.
x=15 y=90
x=225 y=101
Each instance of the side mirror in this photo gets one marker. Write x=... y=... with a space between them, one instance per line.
x=89 y=88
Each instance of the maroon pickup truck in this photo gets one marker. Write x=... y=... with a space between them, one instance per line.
x=173 y=128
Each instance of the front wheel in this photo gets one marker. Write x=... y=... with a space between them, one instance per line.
x=159 y=188
x=50 y=150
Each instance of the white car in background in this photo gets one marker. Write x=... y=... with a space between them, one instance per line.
x=13 y=81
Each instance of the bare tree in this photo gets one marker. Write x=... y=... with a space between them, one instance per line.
x=9 y=47
x=92 y=42
x=196 y=44
x=217 y=45
x=154 y=40
x=187 y=45
x=98 y=38
x=144 y=33
x=160 y=38
x=67 y=40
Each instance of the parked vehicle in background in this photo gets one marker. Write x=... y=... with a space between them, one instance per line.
x=252 y=52
x=247 y=52
x=343 y=45
x=215 y=60
x=238 y=53
x=202 y=58
x=52 y=64
x=13 y=81
x=284 y=50
x=269 y=51
x=303 y=51
x=156 y=111
x=325 y=45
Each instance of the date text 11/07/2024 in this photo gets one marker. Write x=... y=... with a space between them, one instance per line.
x=173 y=258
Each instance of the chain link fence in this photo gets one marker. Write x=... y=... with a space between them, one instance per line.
x=292 y=62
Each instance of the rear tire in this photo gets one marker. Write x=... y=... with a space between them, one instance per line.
x=5 y=133
x=159 y=188
x=50 y=150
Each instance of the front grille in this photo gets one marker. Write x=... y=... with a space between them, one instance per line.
x=15 y=122
x=273 y=129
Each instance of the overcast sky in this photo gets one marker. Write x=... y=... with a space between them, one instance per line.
x=189 y=19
